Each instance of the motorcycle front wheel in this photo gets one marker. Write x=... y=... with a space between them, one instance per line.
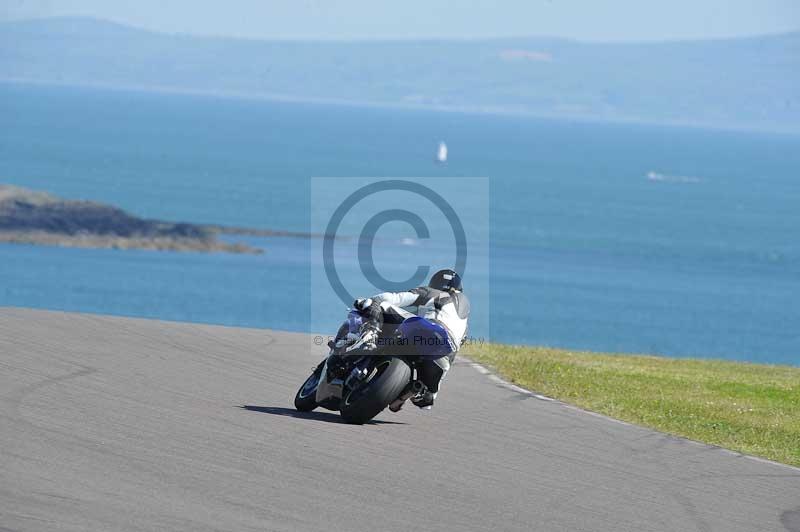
x=305 y=400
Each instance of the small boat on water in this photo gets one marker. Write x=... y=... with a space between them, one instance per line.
x=656 y=176
x=441 y=153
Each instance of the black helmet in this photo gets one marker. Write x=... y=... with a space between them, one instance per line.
x=445 y=280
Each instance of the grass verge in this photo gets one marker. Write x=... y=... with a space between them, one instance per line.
x=751 y=408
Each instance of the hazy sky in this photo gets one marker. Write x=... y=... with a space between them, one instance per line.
x=348 y=19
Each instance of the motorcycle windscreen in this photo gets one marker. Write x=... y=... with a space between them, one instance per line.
x=354 y=321
x=428 y=339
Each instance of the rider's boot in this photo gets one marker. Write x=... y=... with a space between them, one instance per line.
x=424 y=400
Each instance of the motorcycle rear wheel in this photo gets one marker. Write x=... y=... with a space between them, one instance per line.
x=364 y=403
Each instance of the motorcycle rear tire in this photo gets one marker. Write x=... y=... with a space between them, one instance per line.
x=361 y=405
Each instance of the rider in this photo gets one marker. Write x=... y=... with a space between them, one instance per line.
x=438 y=326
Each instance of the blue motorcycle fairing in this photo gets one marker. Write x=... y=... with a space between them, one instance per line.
x=429 y=339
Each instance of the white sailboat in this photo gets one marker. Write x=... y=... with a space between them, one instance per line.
x=441 y=153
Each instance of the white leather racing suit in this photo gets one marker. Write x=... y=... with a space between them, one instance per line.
x=449 y=309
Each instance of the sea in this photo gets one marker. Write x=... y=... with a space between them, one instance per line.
x=626 y=238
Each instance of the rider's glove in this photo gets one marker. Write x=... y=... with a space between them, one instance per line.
x=362 y=303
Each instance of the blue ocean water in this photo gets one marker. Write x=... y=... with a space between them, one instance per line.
x=701 y=258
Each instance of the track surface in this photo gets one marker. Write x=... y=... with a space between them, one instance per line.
x=123 y=424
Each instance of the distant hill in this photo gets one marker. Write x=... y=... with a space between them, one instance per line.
x=745 y=83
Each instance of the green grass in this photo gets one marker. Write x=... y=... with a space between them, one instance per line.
x=751 y=408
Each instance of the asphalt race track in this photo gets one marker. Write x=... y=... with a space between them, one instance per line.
x=123 y=424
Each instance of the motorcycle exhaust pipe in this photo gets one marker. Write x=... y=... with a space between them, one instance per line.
x=411 y=390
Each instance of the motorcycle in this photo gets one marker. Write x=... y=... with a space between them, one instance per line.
x=360 y=384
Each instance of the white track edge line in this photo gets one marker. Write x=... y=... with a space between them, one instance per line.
x=483 y=370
